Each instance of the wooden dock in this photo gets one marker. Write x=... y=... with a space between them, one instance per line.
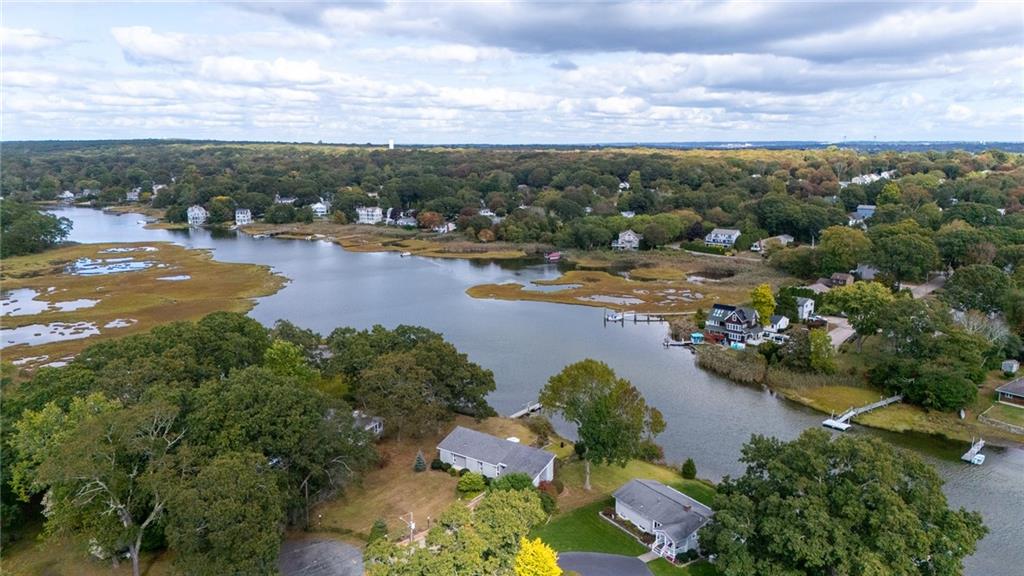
x=974 y=455
x=526 y=411
x=842 y=423
x=616 y=317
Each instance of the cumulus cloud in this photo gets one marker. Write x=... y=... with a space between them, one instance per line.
x=248 y=71
x=26 y=40
x=143 y=45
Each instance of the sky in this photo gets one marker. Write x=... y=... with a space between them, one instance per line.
x=520 y=72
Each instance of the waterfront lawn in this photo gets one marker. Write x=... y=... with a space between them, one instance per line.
x=583 y=530
x=662 y=567
x=607 y=479
x=1007 y=414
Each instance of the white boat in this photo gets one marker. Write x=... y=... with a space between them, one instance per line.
x=613 y=317
x=978 y=459
x=404 y=254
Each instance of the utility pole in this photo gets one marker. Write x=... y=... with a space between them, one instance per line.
x=411 y=523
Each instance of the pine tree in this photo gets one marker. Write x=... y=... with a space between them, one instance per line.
x=378 y=531
x=689 y=470
x=421 y=463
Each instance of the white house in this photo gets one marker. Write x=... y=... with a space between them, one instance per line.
x=627 y=240
x=492 y=456
x=157 y=188
x=66 y=196
x=321 y=208
x=445 y=228
x=724 y=237
x=369 y=214
x=278 y=199
x=623 y=185
x=804 y=308
x=627 y=214
x=778 y=323
x=132 y=195
x=197 y=215
x=671 y=516
x=780 y=240
x=372 y=424
x=243 y=216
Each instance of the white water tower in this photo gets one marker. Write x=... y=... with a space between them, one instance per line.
x=391 y=144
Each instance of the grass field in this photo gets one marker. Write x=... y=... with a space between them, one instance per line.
x=1007 y=414
x=583 y=530
x=138 y=298
x=662 y=567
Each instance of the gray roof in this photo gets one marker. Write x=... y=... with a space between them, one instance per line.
x=493 y=450
x=800 y=300
x=777 y=318
x=1014 y=387
x=678 y=514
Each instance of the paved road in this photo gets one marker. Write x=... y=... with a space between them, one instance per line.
x=594 y=564
x=319 y=557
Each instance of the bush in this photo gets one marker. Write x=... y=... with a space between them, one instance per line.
x=649 y=451
x=513 y=481
x=547 y=502
x=378 y=532
x=453 y=472
x=689 y=470
x=688 y=556
x=699 y=246
x=542 y=427
x=436 y=464
x=471 y=482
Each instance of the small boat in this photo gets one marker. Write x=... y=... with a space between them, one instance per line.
x=613 y=317
x=553 y=256
x=260 y=236
x=978 y=459
x=404 y=254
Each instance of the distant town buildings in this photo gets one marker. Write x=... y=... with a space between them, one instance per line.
x=369 y=214
x=197 y=215
x=722 y=237
x=243 y=216
x=627 y=240
x=865 y=179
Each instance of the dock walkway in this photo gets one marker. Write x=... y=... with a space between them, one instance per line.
x=842 y=423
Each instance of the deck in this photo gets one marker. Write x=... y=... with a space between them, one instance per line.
x=842 y=423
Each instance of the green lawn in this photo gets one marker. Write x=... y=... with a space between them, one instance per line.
x=1008 y=414
x=607 y=479
x=583 y=530
x=662 y=567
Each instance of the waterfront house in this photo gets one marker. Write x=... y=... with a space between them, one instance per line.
x=673 y=518
x=627 y=240
x=627 y=214
x=780 y=240
x=804 y=308
x=66 y=196
x=1010 y=366
x=406 y=222
x=1012 y=393
x=369 y=214
x=722 y=237
x=491 y=456
x=197 y=215
x=243 y=216
x=321 y=208
x=735 y=324
x=444 y=228
x=372 y=424
x=132 y=195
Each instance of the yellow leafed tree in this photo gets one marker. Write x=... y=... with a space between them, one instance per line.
x=535 y=558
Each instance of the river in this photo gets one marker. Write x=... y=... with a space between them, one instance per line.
x=524 y=343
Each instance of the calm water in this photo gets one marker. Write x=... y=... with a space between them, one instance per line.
x=524 y=343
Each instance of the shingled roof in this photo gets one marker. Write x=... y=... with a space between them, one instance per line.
x=678 y=514
x=514 y=456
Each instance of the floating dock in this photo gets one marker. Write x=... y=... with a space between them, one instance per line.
x=974 y=455
x=842 y=423
x=529 y=409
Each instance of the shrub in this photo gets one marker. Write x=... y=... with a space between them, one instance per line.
x=746 y=366
x=649 y=451
x=453 y=472
x=463 y=472
x=378 y=532
x=471 y=482
x=547 y=502
x=513 y=481
x=542 y=427
x=689 y=469
x=421 y=464
x=436 y=464
x=688 y=556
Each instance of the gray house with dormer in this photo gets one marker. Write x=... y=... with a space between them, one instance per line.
x=673 y=518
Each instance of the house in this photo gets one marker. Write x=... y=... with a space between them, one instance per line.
x=865 y=272
x=779 y=322
x=1012 y=393
x=863 y=212
x=780 y=240
x=735 y=324
x=369 y=214
x=444 y=228
x=132 y=195
x=627 y=214
x=278 y=199
x=372 y=424
x=724 y=237
x=243 y=216
x=1010 y=366
x=406 y=221
x=321 y=208
x=197 y=215
x=157 y=188
x=492 y=456
x=66 y=196
x=623 y=185
x=840 y=279
x=804 y=308
x=627 y=240
x=819 y=287
x=87 y=192
x=673 y=518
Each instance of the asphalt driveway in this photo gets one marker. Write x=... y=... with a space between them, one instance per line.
x=319 y=557
x=595 y=564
